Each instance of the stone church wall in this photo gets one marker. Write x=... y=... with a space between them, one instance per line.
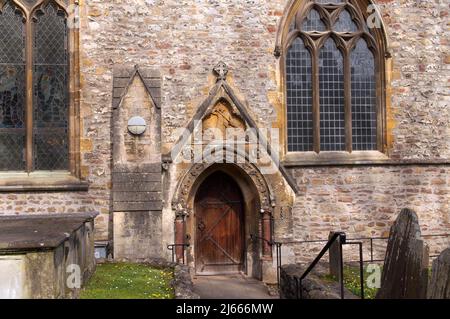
x=184 y=40
x=365 y=201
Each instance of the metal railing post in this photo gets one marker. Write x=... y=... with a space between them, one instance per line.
x=278 y=253
x=183 y=252
x=342 y=240
x=173 y=248
x=278 y=247
x=301 y=288
x=371 y=250
x=361 y=269
x=345 y=241
x=361 y=265
x=341 y=268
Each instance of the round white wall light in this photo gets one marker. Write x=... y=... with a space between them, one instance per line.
x=137 y=125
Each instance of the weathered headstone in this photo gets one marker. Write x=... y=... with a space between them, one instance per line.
x=405 y=272
x=335 y=258
x=440 y=278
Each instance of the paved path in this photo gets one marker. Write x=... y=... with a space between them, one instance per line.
x=230 y=287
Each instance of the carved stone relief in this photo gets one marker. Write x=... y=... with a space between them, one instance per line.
x=222 y=117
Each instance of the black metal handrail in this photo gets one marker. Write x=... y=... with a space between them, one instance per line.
x=173 y=247
x=370 y=239
x=361 y=264
x=344 y=241
x=299 y=281
x=278 y=253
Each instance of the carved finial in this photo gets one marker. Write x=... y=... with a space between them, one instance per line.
x=221 y=71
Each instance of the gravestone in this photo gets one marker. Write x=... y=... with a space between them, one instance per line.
x=335 y=258
x=440 y=277
x=405 y=272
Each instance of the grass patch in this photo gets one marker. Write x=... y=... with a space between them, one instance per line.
x=129 y=281
x=352 y=282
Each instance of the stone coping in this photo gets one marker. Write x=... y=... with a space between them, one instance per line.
x=38 y=232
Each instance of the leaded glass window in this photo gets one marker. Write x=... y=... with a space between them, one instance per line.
x=345 y=23
x=50 y=84
x=313 y=22
x=331 y=79
x=299 y=84
x=12 y=88
x=363 y=98
x=34 y=127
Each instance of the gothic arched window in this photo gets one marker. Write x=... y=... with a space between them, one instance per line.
x=34 y=86
x=332 y=63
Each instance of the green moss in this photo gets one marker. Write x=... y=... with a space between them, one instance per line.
x=352 y=282
x=129 y=281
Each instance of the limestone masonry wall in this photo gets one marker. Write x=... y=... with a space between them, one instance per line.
x=185 y=39
x=365 y=201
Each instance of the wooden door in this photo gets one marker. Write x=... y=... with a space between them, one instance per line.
x=219 y=216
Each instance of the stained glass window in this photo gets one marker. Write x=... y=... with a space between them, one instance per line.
x=331 y=83
x=50 y=84
x=12 y=88
x=40 y=144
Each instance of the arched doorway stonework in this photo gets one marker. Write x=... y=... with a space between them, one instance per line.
x=259 y=203
x=250 y=157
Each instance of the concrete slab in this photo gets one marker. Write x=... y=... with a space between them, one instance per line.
x=230 y=287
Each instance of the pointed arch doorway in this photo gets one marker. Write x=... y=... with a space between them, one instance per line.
x=220 y=226
x=203 y=196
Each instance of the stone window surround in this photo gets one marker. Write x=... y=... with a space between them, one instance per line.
x=384 y=61
x=70 y=180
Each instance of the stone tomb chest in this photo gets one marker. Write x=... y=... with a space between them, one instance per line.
x=45 y=256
